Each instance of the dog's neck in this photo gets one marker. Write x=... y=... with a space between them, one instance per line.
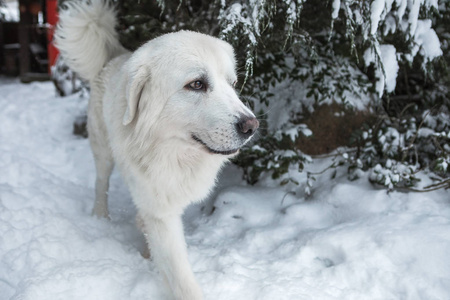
x=178 y=173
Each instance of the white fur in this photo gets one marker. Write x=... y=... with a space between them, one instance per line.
x=142 y=116
x=86 y=36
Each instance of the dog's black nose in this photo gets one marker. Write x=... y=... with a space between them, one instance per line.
x=246 y=126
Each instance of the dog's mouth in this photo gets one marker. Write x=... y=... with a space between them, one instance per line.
x=214 y=151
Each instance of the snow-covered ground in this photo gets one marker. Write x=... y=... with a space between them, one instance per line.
x=348 y=241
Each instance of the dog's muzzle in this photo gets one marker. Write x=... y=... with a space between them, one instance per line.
x=245 y=127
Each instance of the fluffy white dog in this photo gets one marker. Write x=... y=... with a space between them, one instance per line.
x=166 y=114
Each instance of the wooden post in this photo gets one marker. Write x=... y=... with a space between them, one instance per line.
x=2 y=44
x=24 y=39
x=52 y=19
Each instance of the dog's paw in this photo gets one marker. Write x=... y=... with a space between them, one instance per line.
x=101 y=213
x=146 y=253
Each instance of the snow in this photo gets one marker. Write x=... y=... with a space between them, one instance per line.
x=380 y=9
x=64 y=78
x=335 y=7
x=387 y=13
x=414 y=7
x=426 y=40
x=376 y=10
x=348 y=240
x=387 y=77
x=293 y=131
x=234 y=18
x=390 y=64
x=401 y=8
x=10 y=11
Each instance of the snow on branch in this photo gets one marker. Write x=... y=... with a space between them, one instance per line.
x=377 y=19
x=247 y=20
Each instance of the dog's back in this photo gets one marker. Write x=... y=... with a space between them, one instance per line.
x=86 y=36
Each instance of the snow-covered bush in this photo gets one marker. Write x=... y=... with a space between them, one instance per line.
x=65 y=80
x=318 y=49
x=383 y=58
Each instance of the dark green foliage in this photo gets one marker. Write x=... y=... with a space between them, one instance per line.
x=293 y=54
x=143 y=20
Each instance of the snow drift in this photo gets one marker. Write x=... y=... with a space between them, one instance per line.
x=348 y=241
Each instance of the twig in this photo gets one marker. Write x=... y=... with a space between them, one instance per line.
x=411 y=144
x=432 y=187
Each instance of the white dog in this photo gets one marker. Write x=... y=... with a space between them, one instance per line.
x=166 y=114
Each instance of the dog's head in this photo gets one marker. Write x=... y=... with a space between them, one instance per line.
x=183 y=84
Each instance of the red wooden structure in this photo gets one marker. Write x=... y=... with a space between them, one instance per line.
x=52 y=19
x=26 y=47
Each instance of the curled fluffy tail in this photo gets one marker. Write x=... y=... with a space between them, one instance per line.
x=86 y=36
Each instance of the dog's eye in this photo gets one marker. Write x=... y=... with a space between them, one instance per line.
x=197 y=85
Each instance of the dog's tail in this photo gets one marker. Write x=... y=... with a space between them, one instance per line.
x=86 y=36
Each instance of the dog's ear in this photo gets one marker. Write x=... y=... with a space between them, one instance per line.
x=135 y=86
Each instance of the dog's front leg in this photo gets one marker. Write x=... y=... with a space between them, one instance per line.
x=165 y=237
